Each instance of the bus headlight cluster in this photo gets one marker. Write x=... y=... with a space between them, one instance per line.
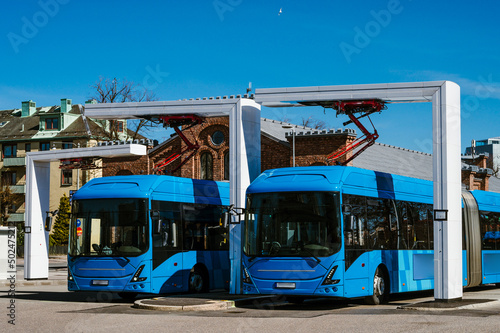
x=328 y=279
x=70 y=276
x=136 y=277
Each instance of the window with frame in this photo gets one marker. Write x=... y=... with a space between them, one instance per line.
x=51 y=123
x=27 y=147
x=117 y=126
x=67 y=145
x=206 y=169
x=45 y=146
x=226 y=166
x=9 y=178
x=9 y=150
x=66 y=177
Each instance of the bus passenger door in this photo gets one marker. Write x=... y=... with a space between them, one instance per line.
x=167 y=274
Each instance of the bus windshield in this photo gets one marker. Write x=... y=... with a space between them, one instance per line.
x=292 y=224
x=108 y=227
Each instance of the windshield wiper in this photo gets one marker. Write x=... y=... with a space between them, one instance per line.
x=311 y=254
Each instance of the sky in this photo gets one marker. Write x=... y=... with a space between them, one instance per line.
x=53 y=49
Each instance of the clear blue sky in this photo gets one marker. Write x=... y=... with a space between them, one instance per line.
x=53 y=49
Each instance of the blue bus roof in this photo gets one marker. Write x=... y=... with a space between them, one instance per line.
x=346 y=179
x=358 y=181
x=165 y=188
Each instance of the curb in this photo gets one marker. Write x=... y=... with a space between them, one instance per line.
x=31 y=283
x=212 y=306
x=415 y=307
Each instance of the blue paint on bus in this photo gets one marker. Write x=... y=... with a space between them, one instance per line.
x=298 y=241
x=148 y=234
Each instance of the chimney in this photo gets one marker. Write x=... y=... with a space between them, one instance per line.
x=28 y=108
x=65 y=105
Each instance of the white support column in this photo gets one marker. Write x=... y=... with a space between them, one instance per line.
x=445 y=96
x=447 y=192
x=244 y=156
x=36 y=243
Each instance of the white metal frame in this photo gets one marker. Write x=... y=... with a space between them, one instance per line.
x=244 y=147
x=244 y=138
x=36 y=244
x=445 y=98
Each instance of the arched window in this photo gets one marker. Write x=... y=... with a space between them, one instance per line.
x=226 y=165
x=124 y=172
x=206 y=169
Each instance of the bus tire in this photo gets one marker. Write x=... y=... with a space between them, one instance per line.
x=198 y=282
x=380 y=288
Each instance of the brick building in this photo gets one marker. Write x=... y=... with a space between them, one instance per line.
x=211 y=160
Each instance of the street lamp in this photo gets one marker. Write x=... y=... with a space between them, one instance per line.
x=293 y=141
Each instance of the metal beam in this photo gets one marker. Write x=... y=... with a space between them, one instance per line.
x=244 y=149
x=445 y=98
x=36 y=244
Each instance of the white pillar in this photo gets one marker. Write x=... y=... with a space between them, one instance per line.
x=36 y=263
x=447 y=192
x=244 y=157
x=36 y=242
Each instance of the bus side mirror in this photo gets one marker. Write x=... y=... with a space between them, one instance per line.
x=48 y=223
x=226 y=218
x=48 y=219
x=156 y=222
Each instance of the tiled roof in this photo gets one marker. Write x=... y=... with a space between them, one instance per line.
x=494 y=184
x=395 y=160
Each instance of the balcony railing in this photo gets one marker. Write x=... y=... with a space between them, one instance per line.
x=18 y=189
x=16 y=217
x=14 y=161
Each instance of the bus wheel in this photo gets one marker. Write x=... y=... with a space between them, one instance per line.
x=380 y=288
x=197 y=282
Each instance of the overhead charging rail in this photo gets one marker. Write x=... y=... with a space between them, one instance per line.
x=350 y=108
x=191 y=147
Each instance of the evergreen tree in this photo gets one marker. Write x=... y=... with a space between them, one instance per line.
x=6 y=200
x=60 y=232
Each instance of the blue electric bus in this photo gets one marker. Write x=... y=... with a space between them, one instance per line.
x=348 y=232
x=148 y=234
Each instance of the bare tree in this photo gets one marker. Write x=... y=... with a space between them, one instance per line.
x=493 y=167
x=120 y=91
x=313 y=123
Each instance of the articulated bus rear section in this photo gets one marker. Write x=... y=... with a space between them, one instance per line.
x=345 y=232
x=148 y=234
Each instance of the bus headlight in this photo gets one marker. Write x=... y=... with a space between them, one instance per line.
x=328 y=279
x=136 y=277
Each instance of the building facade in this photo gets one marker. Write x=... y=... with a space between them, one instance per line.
x=33 y=128
x=211 y=160
x=282 y=144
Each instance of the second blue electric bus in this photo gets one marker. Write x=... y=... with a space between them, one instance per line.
x=148 y=234
x=348 y=232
